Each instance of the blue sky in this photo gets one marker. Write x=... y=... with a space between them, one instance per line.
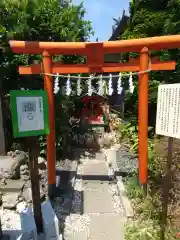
x=101 y=14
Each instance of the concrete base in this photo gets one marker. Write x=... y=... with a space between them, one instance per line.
x=11 y=235
x=28 y=225
x=50 y=222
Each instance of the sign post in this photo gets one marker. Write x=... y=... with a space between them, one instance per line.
x=34 y=176
x=168 y=124
x=30 y=119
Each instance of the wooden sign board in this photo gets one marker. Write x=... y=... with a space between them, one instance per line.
x=29 y=113
x=168 y=110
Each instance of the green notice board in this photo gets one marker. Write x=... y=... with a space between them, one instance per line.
x=29 y=110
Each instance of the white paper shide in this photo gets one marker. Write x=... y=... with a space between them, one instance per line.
x=30 y=113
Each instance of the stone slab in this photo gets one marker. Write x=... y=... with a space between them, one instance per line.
x=97 y=201
x=106 y=226
x=12 y=185
x=95 y=168
x=96 y=185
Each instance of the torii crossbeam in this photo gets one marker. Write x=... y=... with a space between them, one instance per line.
x=94 y=53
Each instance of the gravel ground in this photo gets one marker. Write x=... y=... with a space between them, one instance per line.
x=127 y=161
x=76 y=221
x=113 y=190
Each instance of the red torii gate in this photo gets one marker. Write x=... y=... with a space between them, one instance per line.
x=94 y=53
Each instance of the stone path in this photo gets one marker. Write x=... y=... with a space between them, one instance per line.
x=94 y=212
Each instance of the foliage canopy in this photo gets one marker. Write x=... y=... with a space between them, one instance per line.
x=149 y=18
x=37 y=20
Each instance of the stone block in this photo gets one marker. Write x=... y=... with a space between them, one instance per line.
x=10 y=165
x=5 y=165
x=28 y=225
x=50 y=222
x=12 y=186
x=10 y=200
x=111 y=157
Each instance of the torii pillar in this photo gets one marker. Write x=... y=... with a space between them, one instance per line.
x=51 y=141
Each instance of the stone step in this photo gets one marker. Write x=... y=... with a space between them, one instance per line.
x=95 y=168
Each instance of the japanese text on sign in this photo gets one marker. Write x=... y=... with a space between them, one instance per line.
x=168 y=110
x=30 y=113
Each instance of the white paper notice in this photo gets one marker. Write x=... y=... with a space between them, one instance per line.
x=30 y=113
x=168 y=110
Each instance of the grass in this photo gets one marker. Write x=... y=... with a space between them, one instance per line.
x=146 y=224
